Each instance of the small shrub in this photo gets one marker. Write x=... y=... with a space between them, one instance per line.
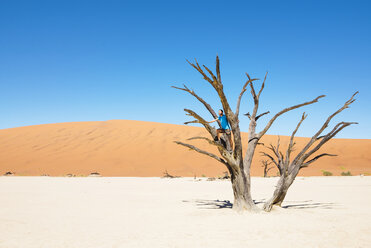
x=326 y=173
x=346 y=173
x=203 y=175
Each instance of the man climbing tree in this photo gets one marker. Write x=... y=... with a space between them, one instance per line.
x=225 y=128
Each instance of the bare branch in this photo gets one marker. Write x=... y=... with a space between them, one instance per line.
x=262 y=87
x=199 y=69
x=211 y=74
x=284 y=111
x=253 y=93
x=241 y=94
x=329 y=135
x=266 y=162
x=315 y=158
x=278 y=152
x=266 y=167
x=218 y=70
x=320 y=137
x=345 y=124
x=291 y=144
x=273 y=149
x=345 y=106
x=252 y=139
x=200 y=120
x=190 y=122
x=211 y=142
x=303 y=117
x=201 y=151
x=207 y=106
x=270 y=157
x=273 y=160
x=218 y=86
x=340 y=126
x=256 y=97
x=265 y=113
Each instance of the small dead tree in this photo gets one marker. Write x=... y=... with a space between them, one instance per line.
x=231 y=154
x=167 y=175
x=266 y=166
x=288 y=168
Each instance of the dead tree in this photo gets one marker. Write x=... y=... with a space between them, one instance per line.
x=231 y=155
x=266 y=166
x=167 y=175
x=288 y=168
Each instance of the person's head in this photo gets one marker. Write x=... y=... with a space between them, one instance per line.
x=220 y=112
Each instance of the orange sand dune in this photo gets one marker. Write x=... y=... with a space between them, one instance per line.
x=136 y=148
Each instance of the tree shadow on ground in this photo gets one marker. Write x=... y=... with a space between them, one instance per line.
x=309 y=205
x=221 y=204
x=212 y=204
x=216 y=204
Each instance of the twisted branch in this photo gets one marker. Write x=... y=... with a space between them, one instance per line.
x=211 y=142
x=207 y=106
x=241 y=94
x=315 y=158
x=265 y=113
x=340 y=126
x=218 y=86
x=200 y=120
x=292 y=143
x=287 y=110
x=328 y=136
x=202 y=152
x=273 y=160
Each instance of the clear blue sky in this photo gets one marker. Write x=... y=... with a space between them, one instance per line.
x=63 y=61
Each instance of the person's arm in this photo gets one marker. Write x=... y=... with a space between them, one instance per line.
x=213 y=120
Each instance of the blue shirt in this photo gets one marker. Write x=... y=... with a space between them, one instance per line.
x=224 y=122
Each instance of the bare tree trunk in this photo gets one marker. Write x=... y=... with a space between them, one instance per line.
x=280 y=192
x=245 y=174
x=266 y=167
x=241 y=192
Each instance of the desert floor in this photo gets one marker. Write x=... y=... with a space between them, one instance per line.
x=102 y=212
